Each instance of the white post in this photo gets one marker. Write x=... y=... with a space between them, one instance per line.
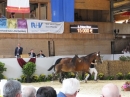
x=2 y=83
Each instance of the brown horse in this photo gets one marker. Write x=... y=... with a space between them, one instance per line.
x=63 y=65
x=79 y=64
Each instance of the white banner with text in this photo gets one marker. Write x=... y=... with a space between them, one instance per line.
x=40 y=26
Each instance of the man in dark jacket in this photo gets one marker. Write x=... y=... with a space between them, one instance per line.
x=18 y=51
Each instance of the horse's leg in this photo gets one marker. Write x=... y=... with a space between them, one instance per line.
x=83 y=74
x=76 y=75
x=61 y=77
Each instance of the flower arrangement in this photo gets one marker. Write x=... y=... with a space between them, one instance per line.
x=128 y=75
x=23 y=78
x=101 y=76
x=126 y=86
x=49 y=77
x=42 y=77
x=35 y=78
x=119 y=76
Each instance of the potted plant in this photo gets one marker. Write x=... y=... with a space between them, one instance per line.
x=128 y=75
x=119 y=76
x=126 y=86
x=28 y=70
x=101 y=76
x=42 y=77
x=2 y=69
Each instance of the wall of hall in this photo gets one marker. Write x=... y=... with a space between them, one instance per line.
x=66 y=43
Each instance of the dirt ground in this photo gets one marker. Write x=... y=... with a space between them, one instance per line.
x=90 y=89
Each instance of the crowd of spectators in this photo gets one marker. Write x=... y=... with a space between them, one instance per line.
x=70 y=88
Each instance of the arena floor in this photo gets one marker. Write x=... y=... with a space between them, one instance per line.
x=90 y=89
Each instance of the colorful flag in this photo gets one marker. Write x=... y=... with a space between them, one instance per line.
x=18 y=6
x=3 y=23
x=22 y=23
x=12 y=23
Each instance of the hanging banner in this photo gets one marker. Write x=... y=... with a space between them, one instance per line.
x=40 y=26
x=13 y=26
x=12 y=23
x=18 y=6
x=3 y=23
x=22 y=24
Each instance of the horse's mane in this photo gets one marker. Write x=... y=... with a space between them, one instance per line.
x=90 y=54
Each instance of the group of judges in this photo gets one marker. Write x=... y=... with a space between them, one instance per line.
x=19 y=50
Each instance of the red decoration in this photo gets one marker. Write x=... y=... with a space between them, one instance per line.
x=22 y=62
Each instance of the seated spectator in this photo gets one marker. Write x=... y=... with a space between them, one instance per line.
x=12 y=15
x=46 y=92
x=40 y=55
x=29 y=91
x=128 y=21
x=32 y=14
x=125 y=22
x=70 y=88
x=12 y=89
x=110 y=90
x=125 y=51
x=2 y=16
x=32 y=54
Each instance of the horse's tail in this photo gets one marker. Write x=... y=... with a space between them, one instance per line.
x=51 y=67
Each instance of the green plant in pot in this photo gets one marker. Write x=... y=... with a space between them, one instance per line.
x=28 y=70
x=2 y=69
x=119 y=76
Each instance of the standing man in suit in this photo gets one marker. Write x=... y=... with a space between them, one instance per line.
x=18 y=51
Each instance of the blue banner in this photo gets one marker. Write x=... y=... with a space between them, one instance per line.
x=3 y=23
x=68 y=9
x=57 y=10
x=62 y=10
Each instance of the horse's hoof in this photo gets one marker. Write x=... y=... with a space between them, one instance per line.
x=85 y=81
x=96 y=80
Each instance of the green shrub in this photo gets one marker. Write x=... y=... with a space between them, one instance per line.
x=23 y=78
x=42 y=77
x=110 y=78
x=127 y=76
x=28 y=70
x=101 y=76
x=35 y=78
x=49 y=77
x=119 y=76
x=2 y=69
x=123 y=58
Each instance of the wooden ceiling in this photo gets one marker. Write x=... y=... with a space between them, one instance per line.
x=120 y=7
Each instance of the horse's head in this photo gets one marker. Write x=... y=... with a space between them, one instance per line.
x=98 y=57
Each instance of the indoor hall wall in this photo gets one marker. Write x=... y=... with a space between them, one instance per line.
x=61 y=46
x=7 y=46
x=81 y=47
